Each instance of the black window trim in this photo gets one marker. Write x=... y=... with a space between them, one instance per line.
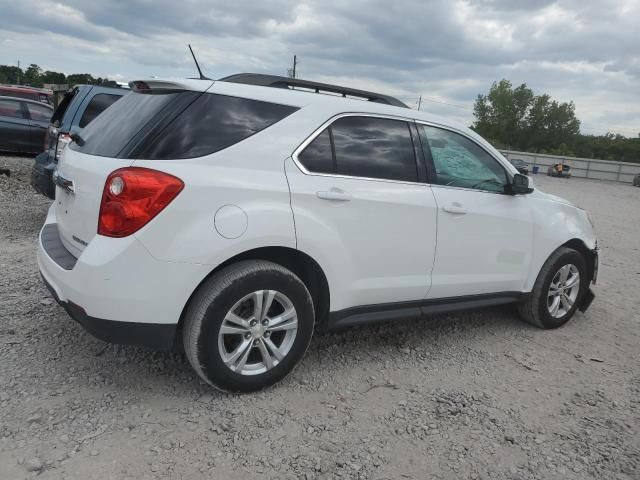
x=318 y=131
x=432 y=168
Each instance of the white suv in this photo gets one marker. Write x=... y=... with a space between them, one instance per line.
x=237 y=218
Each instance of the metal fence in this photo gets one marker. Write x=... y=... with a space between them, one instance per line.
x=580 y=167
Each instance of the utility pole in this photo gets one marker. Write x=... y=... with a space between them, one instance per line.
x=18 y=72
x=292 y=71
x=419 y=102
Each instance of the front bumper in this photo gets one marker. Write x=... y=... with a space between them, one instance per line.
x=116 y=290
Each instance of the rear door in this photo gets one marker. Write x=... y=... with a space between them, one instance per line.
x=485 y=237
x=361 y=210
x=14 y=126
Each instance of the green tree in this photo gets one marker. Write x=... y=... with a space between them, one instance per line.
x=516 y=118
x=53 y=77
x=32 y=76
x=10 y=74
x=80 y=78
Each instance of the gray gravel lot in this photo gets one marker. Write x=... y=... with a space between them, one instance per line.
x=469 y=396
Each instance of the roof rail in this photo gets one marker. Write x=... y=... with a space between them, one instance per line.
x=286 y=82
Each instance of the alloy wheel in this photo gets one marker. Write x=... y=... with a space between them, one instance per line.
x=258 y=332
x=563 y=291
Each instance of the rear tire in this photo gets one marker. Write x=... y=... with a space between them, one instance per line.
x=248 y=326
x=553 y=300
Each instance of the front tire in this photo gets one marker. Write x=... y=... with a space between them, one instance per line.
x=558 y=290
x=248 y=326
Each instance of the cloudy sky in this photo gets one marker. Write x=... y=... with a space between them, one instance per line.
x=447 y=51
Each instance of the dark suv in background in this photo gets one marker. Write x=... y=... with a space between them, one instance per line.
x=77 y=109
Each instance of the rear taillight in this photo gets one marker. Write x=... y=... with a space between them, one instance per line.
x=132 y=196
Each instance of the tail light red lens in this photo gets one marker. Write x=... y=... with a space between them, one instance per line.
x=132 y=196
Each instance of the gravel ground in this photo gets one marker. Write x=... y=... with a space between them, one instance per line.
x=466 y=396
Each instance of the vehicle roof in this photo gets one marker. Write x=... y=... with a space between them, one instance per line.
x=85 y=86
x=26 y=88
x=28 y=100
x=297 y=98
x=329 y=105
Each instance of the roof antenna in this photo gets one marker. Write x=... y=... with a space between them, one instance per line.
x=202 y=77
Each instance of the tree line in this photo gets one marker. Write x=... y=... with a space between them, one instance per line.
x=516 y=119
x=34 y=76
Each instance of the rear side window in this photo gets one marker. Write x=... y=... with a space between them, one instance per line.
x=374 y=148
x=39 y=112
x=96 y=106
x=317 y=156
x=210 y=124
x=368 y=147
x=10 y=108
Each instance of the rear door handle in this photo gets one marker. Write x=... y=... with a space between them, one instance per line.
x=334 y=194
x=455 y=208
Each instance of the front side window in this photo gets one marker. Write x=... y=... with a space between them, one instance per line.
x=459 y=162
x=10 y=108
x=97 y=105
x=39 y=113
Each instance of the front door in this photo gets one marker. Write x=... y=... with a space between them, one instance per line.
x=485 y=237
x=361 y=212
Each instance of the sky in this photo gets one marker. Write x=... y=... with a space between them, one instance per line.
x=448 y=51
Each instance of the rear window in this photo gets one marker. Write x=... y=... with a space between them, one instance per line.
x=212 y=123
x=113 y=131
x=176 y=125
x=97 y=105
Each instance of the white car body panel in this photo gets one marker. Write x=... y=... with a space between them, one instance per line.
x=485 y=242
x=380 y=247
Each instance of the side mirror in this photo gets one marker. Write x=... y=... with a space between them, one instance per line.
x=520 y=185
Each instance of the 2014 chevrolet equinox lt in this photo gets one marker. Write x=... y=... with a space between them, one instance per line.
x=239 y=217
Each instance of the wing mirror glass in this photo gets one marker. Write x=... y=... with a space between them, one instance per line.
x=520 y=185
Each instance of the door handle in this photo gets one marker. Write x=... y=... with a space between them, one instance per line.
x=455 y=208
x=334 y=194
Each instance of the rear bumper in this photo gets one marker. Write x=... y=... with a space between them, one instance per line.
x=117 y=290
x=153 y=335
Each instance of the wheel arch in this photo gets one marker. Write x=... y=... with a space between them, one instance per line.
x=303 y=265
x=579 y=246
